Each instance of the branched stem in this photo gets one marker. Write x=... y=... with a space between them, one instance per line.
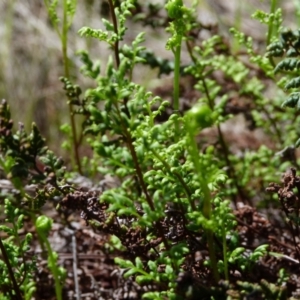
x=143 y=184
x=116 y=47
x=139 y=173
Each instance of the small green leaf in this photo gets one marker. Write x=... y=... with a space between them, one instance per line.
x=169 y=269
x=152 y=265
x=142 y=279
x=123 y=263
x=287 y=64
x=262 y=248
x=292 y=100
x=130 y=272
x=108 y=25
x=235 y=254
x=294 y=83
x=20 y=222
x=139 y=263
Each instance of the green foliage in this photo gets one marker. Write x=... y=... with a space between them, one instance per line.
x=17 y=268
x=177 y=193
x=267 y=290
x=244 y=261
x=112 y=34
x=26 y=159
x=183 y=20
x=43 y=226
x=286 y=47
x=69 y=9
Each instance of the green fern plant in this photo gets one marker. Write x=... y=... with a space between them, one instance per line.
x=158 y=165
x=174 y=194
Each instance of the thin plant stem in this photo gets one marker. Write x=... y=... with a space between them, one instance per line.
x=127 y=134
x=114 y=19
x=143 y=185
x=63 y=36
x=271 y=27
x=129 y=143
x=177 y=54
x=64 y=40
x=207 y=209
x=116 y=47
x=204 y=186
x=53 y=267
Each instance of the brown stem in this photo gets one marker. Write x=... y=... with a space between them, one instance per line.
x=139 y=173
x=143 y=185
x=115 y=23
x=138 y=169
x=127 y=133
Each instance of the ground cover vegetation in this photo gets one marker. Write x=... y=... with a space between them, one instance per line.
x=157 y=197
